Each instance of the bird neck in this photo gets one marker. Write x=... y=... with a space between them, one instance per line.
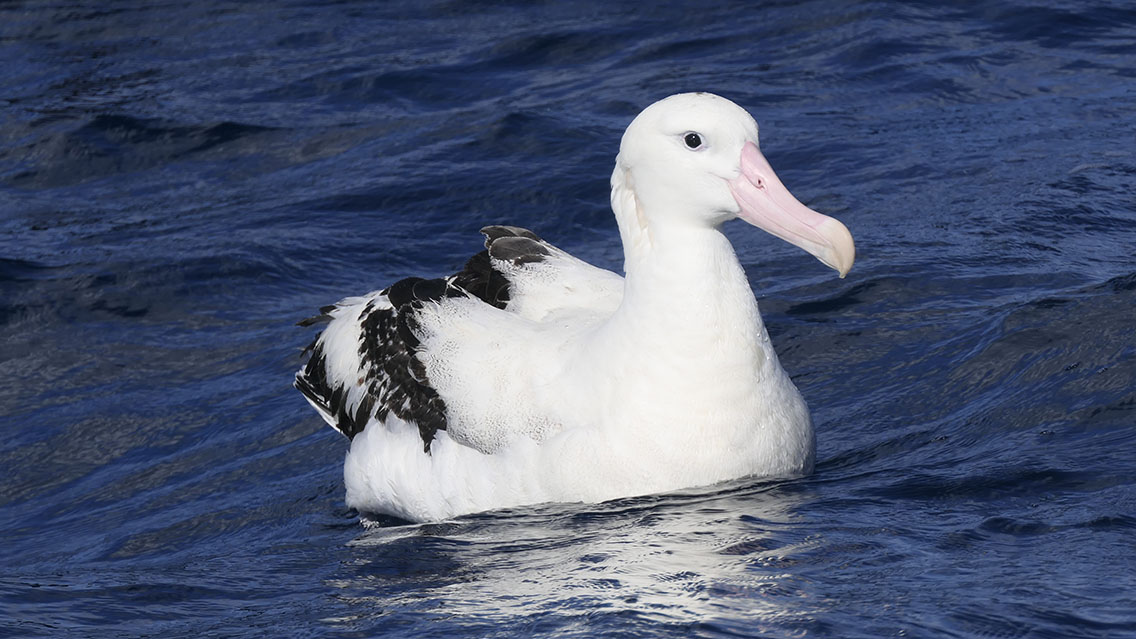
x=687 y=281
x=684 y=288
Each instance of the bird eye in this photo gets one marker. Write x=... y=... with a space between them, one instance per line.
x=692 y=140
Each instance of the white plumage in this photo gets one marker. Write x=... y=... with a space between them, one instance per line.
x=532 y=376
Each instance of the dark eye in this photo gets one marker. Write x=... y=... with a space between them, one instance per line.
x=692 y=140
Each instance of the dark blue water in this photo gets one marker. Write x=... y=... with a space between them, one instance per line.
x=181 y=182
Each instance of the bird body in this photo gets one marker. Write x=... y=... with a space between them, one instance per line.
x=532 y=376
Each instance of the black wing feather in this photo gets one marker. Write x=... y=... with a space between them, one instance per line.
x=395 y=379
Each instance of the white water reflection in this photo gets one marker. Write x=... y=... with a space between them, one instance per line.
x=710 y=562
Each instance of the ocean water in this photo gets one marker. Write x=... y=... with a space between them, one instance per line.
x=180 y=182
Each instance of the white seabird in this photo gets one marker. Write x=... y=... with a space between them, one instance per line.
x=531 y=376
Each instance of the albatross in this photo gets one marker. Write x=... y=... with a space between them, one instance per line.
x=532 y=376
